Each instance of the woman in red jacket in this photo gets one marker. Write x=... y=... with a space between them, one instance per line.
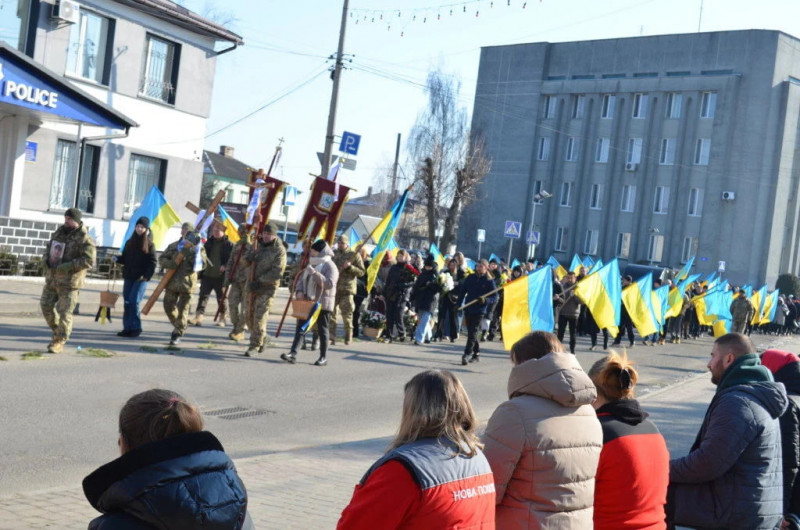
x=434 y=474
x=633 y=473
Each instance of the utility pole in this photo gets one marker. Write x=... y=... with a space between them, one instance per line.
x=394 y=169
x=337 y=74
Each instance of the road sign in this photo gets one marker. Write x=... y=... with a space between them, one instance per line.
x=481 y=235
x=350 y=143
x=533 y=237
x=347 y=163
x=513 y=229
x=721 y=266
x=290 y=196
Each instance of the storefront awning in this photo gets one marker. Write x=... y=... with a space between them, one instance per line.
x=28 y=87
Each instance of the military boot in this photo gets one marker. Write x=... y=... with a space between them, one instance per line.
x=252 y=351
x=236 y=336
x=197 y=320
x=221 y=323
x=57 y=346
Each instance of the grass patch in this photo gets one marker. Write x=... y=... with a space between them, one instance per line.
x=3 y=358
x=173 y=350
x=95 y=352
x=207 y=346
x=149 y=349
x=31 y=355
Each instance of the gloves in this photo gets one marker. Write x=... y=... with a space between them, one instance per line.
x=481 y=300
x=255 y=285
x=64 y=267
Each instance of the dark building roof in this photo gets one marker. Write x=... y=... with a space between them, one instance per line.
x=180 y=16
x=225 y=166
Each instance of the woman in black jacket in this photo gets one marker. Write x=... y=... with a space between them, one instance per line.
x=425 y=295
x=139 y=262
x=171 y=474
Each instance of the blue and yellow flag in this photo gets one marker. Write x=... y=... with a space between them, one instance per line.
x=527 y=306
x=437 y=255
x=161 y=215
x=661 y=305
x=684 y=272
x=558 y=269
x=576 y=264
x=601 y=292
x=384 y=233
x=354 y=238
x=770 y=307
x=309 y=322
x=685 y=283
x=495 y=257
x=638 y=300
x=718 y=302
x=515 y=263
x=597 y=265
x=758 y=299
x=722 y=327
x=231 y=226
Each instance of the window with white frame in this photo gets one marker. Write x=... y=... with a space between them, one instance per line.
x=708 y=104
x=590 y=242
x=566 y=193
x=596 y=196
x=537 y=187
x=562 y=232
x=639 y=105
x=549 y=107
x=622 y=247
x=702 y=150
x=628 y=198
x=674 y=103
x=571 y=152
x=667 y=155
x=144 y=172
x=634 y=151
x=578 y=103
x=655 y=248
x=607 y=109
x=160 y=75
x=601 y=152
x=89 y=46
x=543 y=153
x=661 y=200
x=688 y=249
x=695 y=202
x=65 y=191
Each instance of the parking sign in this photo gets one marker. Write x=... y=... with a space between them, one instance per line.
x=350 y=143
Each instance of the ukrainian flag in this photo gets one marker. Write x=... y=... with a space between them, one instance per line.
x=309 y=322
x=495 y=257
x=758 y=299
x=384 y=233
x=588 y=262
x=597 y=266
x=684 y=284
x=661 y=304
x=437 y=255
x=161 y=215
x=576 y=264
x=515 y=263
x=528 y=306
x=638 y=300
x=559 y=270
x=600 y=291
x=354 y=238
x=684 y=272
x=770 y=307
x=231 y=226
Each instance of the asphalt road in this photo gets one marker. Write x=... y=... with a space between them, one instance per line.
x=58 y=414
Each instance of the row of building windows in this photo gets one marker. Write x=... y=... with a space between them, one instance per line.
x=628 y=198
x=633 y=152
x=91 y=44
x=622 y=244
x=673 y=108
x=70 y=189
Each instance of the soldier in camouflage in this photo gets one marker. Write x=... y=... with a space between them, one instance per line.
x=178 y=292
x=237 y=284
x=68 y=255
x=351 y=267
x=269 y=261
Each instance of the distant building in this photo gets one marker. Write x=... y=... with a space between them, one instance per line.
x=100 y=101
x=221 y=171
x=654 y=149
x=412 y=231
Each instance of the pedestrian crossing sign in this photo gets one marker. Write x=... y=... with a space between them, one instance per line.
x=513 y=229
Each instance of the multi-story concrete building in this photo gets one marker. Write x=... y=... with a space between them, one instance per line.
x=654 y=149
x=143 y=71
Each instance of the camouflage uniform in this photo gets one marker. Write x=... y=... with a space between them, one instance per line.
x=178 y=293
x=269 y=261
x=62 y=283
x=237 y=285
x=345 y=289
x=742 y=311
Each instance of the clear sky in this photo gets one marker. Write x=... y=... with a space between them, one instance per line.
x=283 y=66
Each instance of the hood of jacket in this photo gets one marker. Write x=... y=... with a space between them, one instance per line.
x=557 y=376
x=789 y=375
x=771 y=395
x=745 y=369
x=625 y=410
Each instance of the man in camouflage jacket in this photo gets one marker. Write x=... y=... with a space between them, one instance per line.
x=351 y=267
x=742 y=311
x=269 y=261
x=178 y=292
x=237 y=276
x=68 y=255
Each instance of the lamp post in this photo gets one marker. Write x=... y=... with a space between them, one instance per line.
x=540 y=196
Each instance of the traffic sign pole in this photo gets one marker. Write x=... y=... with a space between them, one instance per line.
x=479 y=250
x=510 y=246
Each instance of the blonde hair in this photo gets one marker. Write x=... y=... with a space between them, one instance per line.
x=436 y=405
x=614 y=376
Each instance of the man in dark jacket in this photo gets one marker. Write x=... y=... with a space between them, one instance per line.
x=218 y=250
x=570 y=310
x=732 y=477
x=476 y=288
x=425 y=296
x=625 y=322
x=399 y=282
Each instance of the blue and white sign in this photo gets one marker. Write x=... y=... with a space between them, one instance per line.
x=350 y=142
x=513 y=229
x=533 y=237
x=481 y=235
x=721 y=266
x=290 y=196
x=30 y=151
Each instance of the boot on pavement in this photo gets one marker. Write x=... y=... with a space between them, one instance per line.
x=221 y=323
x=236 y=336
x=197 y=320
x=322 y=361
x=57 y=346
x=290 y=357
x=252 y=351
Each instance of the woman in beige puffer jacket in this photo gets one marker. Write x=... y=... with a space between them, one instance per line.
x=544 y=442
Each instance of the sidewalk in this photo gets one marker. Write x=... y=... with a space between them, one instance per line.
x=308 y=488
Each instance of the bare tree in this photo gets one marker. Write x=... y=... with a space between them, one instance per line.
x=450 y=160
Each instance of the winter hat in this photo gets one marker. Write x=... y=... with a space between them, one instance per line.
x=430 y=262
x=777 y=359
x=319 y=245
x=268 y=228
x=74 y=214
x=186 y=226
x=144 y=221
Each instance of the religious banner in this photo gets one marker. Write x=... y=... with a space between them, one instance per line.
x=267 y=188
x=323 y=210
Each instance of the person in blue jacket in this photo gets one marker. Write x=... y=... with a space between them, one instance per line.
x=476 y=287
x=171 y=474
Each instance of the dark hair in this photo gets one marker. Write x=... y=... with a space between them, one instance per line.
x=535 y=346
x=144 y=242
x=735 y=343
x=614 y=376
x=157 y=414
